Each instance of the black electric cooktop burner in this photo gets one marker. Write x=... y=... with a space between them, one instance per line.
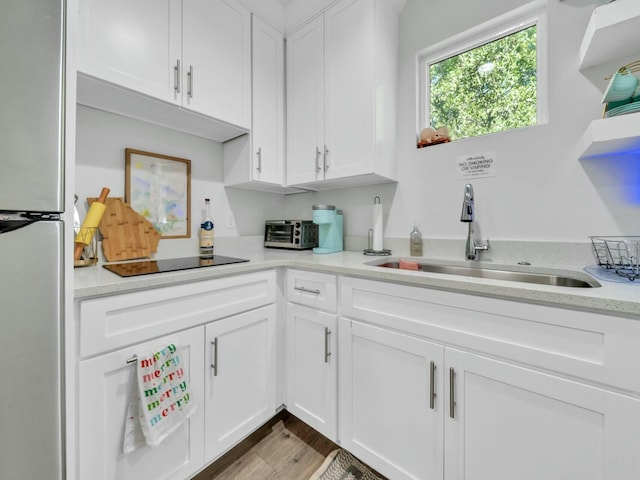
x=146 y=267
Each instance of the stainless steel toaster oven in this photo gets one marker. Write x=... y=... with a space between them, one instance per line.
x=295 y=234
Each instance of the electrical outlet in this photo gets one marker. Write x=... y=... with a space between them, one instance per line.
x=231 y=221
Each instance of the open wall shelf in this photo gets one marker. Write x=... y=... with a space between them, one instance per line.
x=611 y=38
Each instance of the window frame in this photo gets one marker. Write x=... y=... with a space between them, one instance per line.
x=533 y=13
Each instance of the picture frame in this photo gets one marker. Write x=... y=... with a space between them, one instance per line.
x=158 y=187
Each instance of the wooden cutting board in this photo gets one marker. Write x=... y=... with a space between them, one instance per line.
x=125 y=233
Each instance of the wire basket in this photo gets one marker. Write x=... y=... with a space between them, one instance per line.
x=621 y=254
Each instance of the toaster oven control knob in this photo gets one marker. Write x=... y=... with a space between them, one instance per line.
x=296 y=241
x=297 y=233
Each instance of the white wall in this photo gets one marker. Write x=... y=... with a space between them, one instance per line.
x=541 y=190
x=100 y=142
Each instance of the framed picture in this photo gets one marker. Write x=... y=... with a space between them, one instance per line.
x=158 y=187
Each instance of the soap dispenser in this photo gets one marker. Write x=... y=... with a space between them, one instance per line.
x=415 y=242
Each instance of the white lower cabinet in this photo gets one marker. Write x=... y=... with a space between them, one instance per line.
x=104 y=385
x=226 y=328
x=487 y=419
x=510 y=422
x=391 y=401
x=311 y=368
x=240 y=377
x=518 y=391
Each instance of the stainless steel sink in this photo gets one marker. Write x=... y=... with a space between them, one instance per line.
x=558 y=280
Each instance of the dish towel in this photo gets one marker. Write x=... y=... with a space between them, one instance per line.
x=160 y=400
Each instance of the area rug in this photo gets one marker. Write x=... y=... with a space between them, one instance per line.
x=341 y=465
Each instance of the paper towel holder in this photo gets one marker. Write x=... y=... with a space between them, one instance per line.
x=369 y=250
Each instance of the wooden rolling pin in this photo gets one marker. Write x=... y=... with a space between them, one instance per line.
x=90 y=223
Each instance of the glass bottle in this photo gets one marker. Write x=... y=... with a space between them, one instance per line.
x=206 y=231
x=415 y=243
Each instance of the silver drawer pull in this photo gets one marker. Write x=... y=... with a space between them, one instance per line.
x=190 y=82
x=131 y=360
x=318 y=153
x=259 y=154
x=214 y=353
x=432 y=385
x=327 y=353
x=452 y=393
x=176 y=77
x=307 y=290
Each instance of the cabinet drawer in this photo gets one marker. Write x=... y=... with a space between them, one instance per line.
x=112 y=322
x=602 y=349
x=317 y=290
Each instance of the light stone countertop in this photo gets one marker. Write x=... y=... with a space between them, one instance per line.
x=616 y=296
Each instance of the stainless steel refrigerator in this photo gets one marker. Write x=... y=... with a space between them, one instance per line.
x=32 y=196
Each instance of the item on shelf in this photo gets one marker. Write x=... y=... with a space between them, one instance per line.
x=90 y=223
x=623 y=89
x=206 y=230
x=431 y=136
x=330 y=228
x=622 y=109
x=622 y=254
x=622 y=86
x=375 y=234
x=125 y=233
x=415 y=242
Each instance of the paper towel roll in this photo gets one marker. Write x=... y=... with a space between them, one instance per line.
x=377 y=226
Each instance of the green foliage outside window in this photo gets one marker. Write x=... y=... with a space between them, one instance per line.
x=489 y=89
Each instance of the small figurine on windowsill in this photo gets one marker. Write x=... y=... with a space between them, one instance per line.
x=430 y=136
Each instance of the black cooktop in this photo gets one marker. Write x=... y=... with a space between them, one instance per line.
x=145 y=267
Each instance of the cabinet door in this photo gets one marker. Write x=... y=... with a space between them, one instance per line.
x=305 y=103
x=133 y=44
x=104 y=385
x=391 y=401
x=216 y=54
x=240 y=378
x=268 y=103
x=312 y=368
x=510 y=422
x=350 y=99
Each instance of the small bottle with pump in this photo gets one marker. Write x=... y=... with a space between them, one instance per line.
x=415 y=243
x=206 y=231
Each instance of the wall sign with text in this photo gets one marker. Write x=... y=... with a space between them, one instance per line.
x=476 y=165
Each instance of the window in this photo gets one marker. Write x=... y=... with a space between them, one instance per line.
x=487 y=80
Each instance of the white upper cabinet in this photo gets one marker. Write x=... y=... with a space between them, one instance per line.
x=305 y=103
x=256 y=161
x=341 y=87
x=133 y=44
x=144 y=58
x=268 y=103
x=216 y=48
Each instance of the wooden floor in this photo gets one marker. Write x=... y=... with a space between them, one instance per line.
x=283 y=449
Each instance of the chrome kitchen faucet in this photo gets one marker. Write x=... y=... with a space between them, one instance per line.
x=472 y=249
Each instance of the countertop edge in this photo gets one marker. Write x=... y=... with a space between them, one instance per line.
x=604 y=300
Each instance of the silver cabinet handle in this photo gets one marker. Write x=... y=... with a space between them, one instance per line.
x=318 y=153
x=452 y=393
x=432 y=385
x=307 y=290
x=259 y=154
x=214 y=353
x=131 y=360
x=176 y=77
x=324 y=160
x=327 y=353
x=190 y=82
